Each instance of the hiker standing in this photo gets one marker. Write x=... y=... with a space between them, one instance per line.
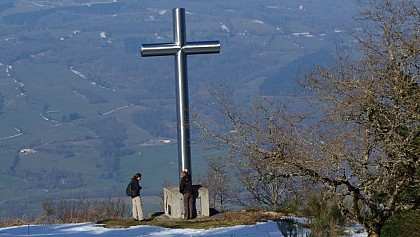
x=186 y=188
x=136 y=200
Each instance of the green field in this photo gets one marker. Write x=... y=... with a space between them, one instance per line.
x=158 y=164
x=69 y=150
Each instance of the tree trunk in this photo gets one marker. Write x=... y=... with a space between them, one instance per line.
x=374 y=230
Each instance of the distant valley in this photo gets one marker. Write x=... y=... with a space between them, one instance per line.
x=81 y=111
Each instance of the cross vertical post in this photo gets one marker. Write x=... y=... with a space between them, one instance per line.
x=180 y=48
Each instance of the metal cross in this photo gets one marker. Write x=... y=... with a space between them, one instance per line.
x=180 y=49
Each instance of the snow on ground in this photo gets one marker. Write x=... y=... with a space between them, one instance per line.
x=266 y=229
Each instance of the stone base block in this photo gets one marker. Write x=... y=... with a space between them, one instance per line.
x=174 y=203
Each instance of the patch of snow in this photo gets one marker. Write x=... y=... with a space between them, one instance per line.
x=162 y=12
x=224 y=27
x=77 y=73
x=269 y=229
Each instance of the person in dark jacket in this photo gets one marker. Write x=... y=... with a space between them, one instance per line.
x=186 y=188
x=136 y=200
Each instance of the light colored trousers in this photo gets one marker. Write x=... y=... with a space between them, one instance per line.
x=137 y=209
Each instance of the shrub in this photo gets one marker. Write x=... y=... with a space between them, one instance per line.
x=82 y=210
x=403 y=224
x=327 y=219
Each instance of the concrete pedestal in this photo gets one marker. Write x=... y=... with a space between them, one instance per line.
x=174 y=203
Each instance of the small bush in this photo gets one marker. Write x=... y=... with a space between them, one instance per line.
x=327 y=220
x=7 y=222
x=292 y=206
x=82 y=210
x=403 y=224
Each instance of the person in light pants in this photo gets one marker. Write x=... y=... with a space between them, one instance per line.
x=136 y=200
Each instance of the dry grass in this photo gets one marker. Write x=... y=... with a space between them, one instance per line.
x=218 y=220
x=14 y=222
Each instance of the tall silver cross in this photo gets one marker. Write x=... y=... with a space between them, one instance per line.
x=180 y=49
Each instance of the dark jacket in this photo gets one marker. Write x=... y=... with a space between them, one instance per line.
x=185 y=186
x=135 y=186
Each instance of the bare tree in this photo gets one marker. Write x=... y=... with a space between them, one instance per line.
x=372 y=116
x=218 y=183
x=365 y=148
x=255 y=138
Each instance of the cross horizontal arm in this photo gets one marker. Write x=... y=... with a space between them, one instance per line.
x=159 y=49
x=202 y=47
